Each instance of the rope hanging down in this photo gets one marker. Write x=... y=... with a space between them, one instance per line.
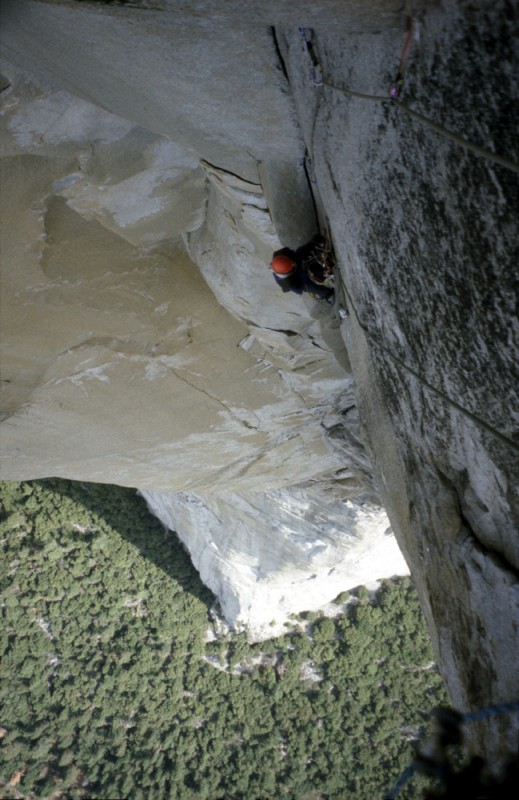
x=340 y=309
x=440 y=129
x=317 y=79
x=448 y=731
x=481 y=423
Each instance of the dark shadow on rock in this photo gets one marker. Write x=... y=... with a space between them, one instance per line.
x=126 y=512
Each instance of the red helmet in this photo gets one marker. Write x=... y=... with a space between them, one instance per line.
x=283 y=265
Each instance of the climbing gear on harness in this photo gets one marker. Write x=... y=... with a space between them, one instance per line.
x=283 y=265
x=320 y=263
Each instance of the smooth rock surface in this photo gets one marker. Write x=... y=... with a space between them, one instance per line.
x=142 y=378
x=108 y=324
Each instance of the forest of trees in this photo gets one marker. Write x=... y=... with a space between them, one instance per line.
x=112 y=687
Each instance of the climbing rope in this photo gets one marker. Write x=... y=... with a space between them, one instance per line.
x=448 y=731
x=435 y=126
x=416 y=374
x=485 y=713
x=318 y=80
x=344 y=303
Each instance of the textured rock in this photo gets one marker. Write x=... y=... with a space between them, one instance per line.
x=190 y=77
x=426 y=232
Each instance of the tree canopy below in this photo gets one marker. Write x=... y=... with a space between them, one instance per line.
x=113 y=683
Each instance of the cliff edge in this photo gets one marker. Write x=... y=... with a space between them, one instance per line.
x=153 y=158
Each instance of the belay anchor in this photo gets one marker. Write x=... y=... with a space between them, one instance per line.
x=396 y=87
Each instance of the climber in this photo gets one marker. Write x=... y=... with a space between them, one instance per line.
x=307 y=269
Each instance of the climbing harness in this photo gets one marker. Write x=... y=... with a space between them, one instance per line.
x=433 y=758
x=319 y=266
x=340 y=311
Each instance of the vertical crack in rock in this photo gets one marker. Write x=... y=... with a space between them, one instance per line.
x=281 y=60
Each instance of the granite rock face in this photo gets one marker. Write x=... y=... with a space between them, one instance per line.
x=270 y=555
x=116 y=315
x=423 y=211
x=145 y=343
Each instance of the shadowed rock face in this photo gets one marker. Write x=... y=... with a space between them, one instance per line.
x=120 y=366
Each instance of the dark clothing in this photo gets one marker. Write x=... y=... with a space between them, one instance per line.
x=307 y=266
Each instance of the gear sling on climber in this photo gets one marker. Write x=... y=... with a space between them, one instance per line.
x=307 y=269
